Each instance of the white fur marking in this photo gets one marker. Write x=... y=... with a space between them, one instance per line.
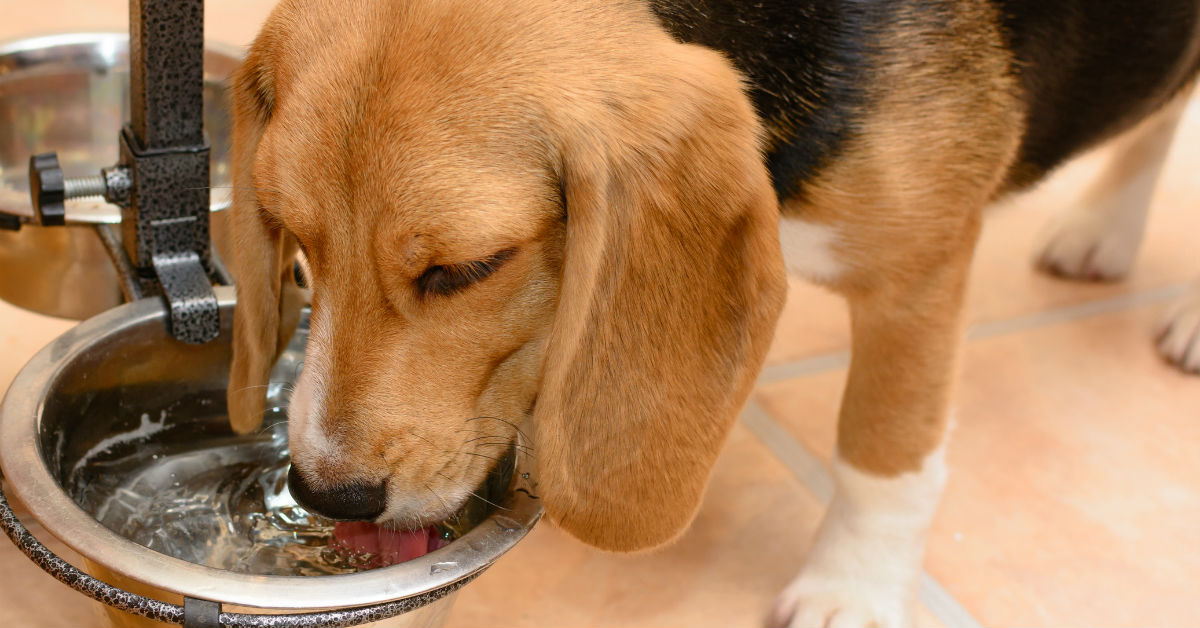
x=865 y=564
x=808 y=249
x=307 y=404
x=1101 y=241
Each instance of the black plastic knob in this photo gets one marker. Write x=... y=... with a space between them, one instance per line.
x=47 y=190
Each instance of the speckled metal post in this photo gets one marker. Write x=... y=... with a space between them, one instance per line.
x=166 y=72
x=164 y=148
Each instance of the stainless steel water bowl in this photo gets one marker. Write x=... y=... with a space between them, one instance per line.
x=95 y=381
x=70 y=94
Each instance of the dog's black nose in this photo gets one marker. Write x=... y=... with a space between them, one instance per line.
x=358 y=501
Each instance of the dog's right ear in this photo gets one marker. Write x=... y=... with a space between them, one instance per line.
x=268 y=300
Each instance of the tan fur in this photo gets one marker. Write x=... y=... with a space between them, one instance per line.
x=908 y=196
x=388 y=137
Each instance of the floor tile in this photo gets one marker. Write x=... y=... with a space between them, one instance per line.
x=31 y=597
x=23 y=334
x=814 y=321
x=1074 y=492
x=746 y=544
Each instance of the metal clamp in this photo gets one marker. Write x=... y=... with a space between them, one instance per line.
x=161 y=182
x=49 y=188
x=201 y=613
x=165 y=231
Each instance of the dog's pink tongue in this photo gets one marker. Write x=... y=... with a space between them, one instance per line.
x=388 y=546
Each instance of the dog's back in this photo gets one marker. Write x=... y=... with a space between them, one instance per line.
x=1090 y=69
x=1086 y=69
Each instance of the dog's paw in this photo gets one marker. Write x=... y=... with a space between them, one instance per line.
x=816 y=600
x=1179 y=334
x=863 y=567
x=1089 y=244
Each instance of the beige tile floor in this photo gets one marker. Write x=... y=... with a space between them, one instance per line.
x=1075 y=494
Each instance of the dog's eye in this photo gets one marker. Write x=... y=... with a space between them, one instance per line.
x=447 y=279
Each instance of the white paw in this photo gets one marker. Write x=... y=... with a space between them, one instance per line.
x=841 y=600
x=1179 y=334
x=864 y=565
x=1090 y=244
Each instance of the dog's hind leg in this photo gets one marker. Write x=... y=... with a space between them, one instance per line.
x=1098 y=239
x=1179 y=333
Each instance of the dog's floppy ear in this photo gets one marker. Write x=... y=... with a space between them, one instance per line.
x=671 y=286
x=268 y=300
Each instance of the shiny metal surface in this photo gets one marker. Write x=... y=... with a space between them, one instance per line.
x=58 y=271
x=95 y=381
x=69 y=93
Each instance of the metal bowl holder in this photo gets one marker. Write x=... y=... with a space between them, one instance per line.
x=161 y=183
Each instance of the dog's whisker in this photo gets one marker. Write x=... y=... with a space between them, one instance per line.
x=440 y=498
x=506 y=444
x=478 y=438
x=471 y=453
x=505 y=421
x=422 y=438
x=266 y=385
x=477 y=496
x=232 y=187
x=269 y=426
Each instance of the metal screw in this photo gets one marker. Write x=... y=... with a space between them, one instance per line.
x=48 y=188
x=85 y=187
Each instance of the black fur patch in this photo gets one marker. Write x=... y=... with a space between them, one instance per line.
x=1091 y=68
x=807 y=61
x=1088 y=68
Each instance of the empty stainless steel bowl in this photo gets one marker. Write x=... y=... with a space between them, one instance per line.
x=70 y=94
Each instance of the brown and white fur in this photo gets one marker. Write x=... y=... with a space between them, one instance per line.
x=557 y=215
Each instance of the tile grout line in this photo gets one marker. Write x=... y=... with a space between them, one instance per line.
x=825 y=362
x=816 y=478
x=1076 y=312
x=804 y=367
x=813 y=474
x=792 y=453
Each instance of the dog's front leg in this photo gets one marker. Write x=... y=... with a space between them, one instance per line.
x=889 y=467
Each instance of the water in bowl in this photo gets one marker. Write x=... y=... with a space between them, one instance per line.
x=223 y=501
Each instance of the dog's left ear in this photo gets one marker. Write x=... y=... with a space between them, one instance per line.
x=672 y=283
x=268 y=299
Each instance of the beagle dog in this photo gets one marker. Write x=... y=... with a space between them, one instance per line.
x=563 y=219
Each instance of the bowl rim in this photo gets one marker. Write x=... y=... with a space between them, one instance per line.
x=90 y=211
x=29 y=479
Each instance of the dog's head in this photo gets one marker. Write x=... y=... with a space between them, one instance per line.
x=540 y=214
